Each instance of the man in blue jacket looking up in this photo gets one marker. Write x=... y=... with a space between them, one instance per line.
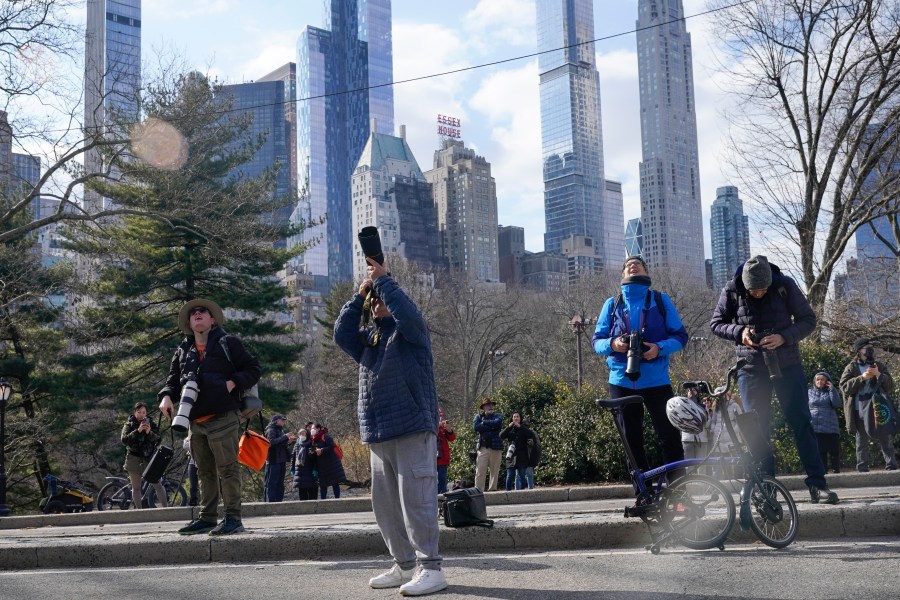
x=398 y=419
x=638 y=309
x=766 y=315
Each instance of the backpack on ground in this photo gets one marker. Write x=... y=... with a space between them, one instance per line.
x=465 y=507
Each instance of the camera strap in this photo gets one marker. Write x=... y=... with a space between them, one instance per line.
x=650 y=294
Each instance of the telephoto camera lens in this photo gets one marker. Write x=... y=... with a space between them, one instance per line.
x=771 y=359
x=181 y=423
x=370 y=242
x=633 y=358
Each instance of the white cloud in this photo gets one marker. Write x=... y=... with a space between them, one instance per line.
x=272 y=49
x=509 y=103
x=501 y=23
x=177 y=11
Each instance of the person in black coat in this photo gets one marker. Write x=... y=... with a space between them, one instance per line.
x=141 y=437
x=276 y=461
x=303 y=467
x=522 y=453
x=328 y=465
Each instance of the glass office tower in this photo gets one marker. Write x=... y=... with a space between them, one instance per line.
x=671 y=214
x=265 y=101
x=339 y=69
x=112 y=73
x=575 y=200
x=729 y=230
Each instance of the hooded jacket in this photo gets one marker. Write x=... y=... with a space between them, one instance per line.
x=397 y=395
x=783 y=310
x=666 y=332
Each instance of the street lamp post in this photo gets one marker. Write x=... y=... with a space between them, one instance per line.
x=491 y=355
x=5 y=391
x=578 y=323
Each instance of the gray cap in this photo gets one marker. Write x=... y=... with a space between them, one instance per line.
x=757 y=274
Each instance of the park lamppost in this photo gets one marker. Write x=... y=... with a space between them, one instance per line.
x=5 y=391
x=578 y=323
x=492 y=354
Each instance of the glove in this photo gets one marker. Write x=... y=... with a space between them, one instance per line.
x=315 y=473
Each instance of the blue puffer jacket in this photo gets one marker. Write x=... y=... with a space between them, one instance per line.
x=823 y=405
x=397 y=396
x=669 y=335
x=783 y=310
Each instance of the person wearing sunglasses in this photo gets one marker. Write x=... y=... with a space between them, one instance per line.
x=215 y=418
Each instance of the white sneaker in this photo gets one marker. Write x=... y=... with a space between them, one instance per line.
x=426 y=581
x=393 y=578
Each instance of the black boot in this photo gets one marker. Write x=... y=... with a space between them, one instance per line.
x=823 y=495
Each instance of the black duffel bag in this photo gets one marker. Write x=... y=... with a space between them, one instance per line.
x=465 y=507
x=160 y=460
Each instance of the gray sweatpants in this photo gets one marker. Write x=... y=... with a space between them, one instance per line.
x=404 y=498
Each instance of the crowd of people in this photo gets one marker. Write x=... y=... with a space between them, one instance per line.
x=761 y=310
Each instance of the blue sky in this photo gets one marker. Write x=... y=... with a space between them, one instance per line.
x=239 y=41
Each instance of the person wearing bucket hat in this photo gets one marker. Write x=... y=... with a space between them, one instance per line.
x=276 y=460
x=398 y=420
x=764 y=313
x=488 y=425
x=200 y=365
x=862 y=379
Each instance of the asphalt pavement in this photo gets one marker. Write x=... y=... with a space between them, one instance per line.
x=576 y=518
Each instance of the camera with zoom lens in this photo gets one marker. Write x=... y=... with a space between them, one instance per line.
x=511 y=451
x=189 y=392
x=770 y=357
x=633 y=355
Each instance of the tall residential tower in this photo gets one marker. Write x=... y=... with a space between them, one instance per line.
x=343 y=71
x=671 y=214
x=575 y=196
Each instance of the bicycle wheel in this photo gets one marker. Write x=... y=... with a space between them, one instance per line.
x=175 y=494
x=114 y=495
x=775 y=519
x=699 y=512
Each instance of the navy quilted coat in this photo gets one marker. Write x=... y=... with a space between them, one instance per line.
x=397 y=396
x=784 y=309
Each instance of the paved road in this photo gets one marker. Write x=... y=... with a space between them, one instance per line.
x=846 y=568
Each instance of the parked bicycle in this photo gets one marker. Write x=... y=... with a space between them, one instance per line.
x=117 y=494
x=694 y=510
x=766 y=506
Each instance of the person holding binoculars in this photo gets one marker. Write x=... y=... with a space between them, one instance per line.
x=766 y=315
x=637 y=331
x=208 y=386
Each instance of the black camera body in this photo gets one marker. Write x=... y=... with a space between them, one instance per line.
x=770 y=357
x=633 y=355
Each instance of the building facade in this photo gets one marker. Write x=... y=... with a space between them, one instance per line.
x=729 y=230
x=343 y=70
x=510 y=250
x=390 y=192
x=465 y=197
x=575 y=198
x=264 y=102
x=112 y=76
x=671 y=213
x=634 y=235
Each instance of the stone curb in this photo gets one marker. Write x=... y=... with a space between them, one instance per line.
x=575 y=531
x=363 y=504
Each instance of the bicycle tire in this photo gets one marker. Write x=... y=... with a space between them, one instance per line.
x=698 y=511
x=109 y=496
x=175 y=494
x=774 y=516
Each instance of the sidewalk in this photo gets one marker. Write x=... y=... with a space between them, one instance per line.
x=547 y=518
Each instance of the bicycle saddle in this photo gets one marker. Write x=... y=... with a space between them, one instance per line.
x=618 y=402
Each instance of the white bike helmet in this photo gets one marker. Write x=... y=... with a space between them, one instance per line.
x=686 y=415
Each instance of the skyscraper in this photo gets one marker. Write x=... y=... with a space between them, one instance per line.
x=634 y=237
x=112 y=74
x=575 y=199
x=264 y=100
x=465 y=196
x=671 y=214
x=340 y=70
x=391 y=193
x=729 y=229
